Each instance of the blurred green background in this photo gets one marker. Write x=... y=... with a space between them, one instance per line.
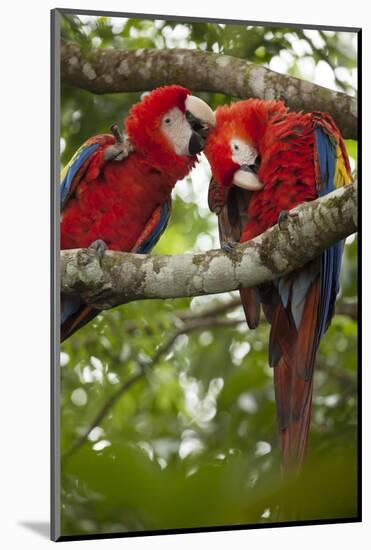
x=167 y=407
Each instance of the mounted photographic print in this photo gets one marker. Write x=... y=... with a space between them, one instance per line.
x=204 y=328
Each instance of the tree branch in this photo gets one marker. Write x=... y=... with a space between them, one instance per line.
x=128 y=70
x=212 y=311
x=348 y=307
x=191 y=322
x=123 y=277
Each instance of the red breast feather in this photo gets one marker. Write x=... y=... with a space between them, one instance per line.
x=115 y=206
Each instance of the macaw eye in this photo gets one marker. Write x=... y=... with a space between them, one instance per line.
x=235 y=147
x=167 y=120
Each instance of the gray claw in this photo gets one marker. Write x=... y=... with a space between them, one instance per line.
x=119 y=150
x=230 y=247
x=99 y=247
x=116 y=133
x=284 y=215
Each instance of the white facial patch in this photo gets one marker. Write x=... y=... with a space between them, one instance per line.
x=242 y=152
x=177 y=129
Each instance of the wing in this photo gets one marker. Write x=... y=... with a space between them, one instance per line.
x=305 y=306
x=88 y=161
x=75 y=314
x=332 y=171
x=89 y=155
x=154 y=228
x=230 y=205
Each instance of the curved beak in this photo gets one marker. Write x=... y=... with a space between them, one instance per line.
x=201 y=118
x=246 y=178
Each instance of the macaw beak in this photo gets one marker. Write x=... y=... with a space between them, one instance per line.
x=247 y=178
x=200 y=118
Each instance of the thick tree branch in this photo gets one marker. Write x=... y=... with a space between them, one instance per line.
x=122 y=277
x=118 y=70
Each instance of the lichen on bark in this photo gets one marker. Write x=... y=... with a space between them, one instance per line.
x=119 y=70
x=123 y=277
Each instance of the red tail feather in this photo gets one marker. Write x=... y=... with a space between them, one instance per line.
x=293 y=354
x=251 y=304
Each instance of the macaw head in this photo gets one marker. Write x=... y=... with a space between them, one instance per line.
x=234 y=147
x=169 y=127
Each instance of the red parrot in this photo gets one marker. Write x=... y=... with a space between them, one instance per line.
x=265 y=161
x=116 y=192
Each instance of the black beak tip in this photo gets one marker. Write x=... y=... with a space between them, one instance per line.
x=200 y=131
x=254 y=168
x=196 y=143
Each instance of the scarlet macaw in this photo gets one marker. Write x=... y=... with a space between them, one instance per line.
x=116 y=192
x=265 y=161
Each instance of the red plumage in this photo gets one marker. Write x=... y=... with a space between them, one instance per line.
x=295 y=305
x=115 y=200
x=285 y=142
x=143 y=129
x=123 y=203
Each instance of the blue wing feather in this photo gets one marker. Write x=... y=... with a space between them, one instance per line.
x=331 y=258
x=72 y=303
x=81 y=157
x=330 y=264
x=159 y=228
x=300 y=287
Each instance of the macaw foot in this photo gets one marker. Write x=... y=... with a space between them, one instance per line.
x=98 y=287
x=119 y=150
x=116 y=133
x=284 y=215
x=99 y=248
x=230 y=247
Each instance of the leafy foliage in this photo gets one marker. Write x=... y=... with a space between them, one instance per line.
x=192 y=441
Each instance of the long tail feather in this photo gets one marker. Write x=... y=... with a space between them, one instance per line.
x=292 y=354
x=293 y=432
x=77 y=321
x=251 y=304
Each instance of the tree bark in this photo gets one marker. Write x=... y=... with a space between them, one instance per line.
x=119 y=277
x=124 y=70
